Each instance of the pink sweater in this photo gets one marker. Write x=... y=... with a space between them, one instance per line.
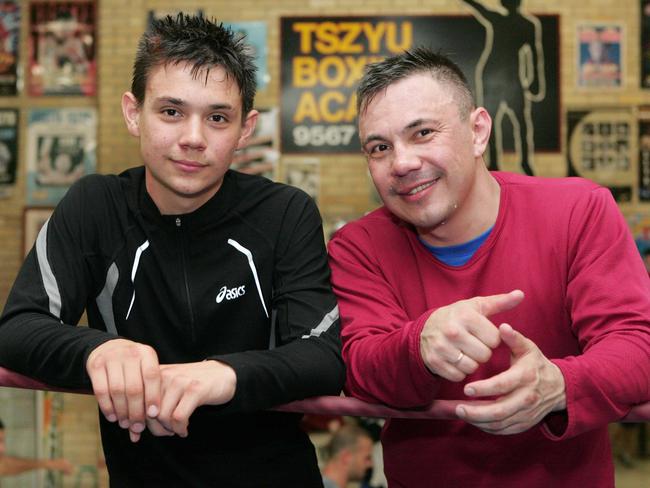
x=587 y=307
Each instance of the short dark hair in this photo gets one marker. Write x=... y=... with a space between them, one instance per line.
x=379 y=76
x=202 y=43
x=346 y=437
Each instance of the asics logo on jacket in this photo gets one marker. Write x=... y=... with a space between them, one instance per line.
x=231 y=293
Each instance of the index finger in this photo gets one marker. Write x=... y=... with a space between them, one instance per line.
x=493 y=304
x=150 y=369
x=497 y=385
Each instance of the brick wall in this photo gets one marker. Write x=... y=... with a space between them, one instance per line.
x=345 y=190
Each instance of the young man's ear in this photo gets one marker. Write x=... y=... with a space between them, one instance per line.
x=481 y=124
x=131 y=112
x=248 y=128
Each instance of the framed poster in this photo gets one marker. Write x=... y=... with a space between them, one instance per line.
x=599 y=55
x=644 y=154
x=645 y=43
x=599 y=148
x=303 y=174
x=9 y=38
x=639 y=223
x=8 y=146
x=62 y=48
x=33 y=219
x=322 y=59
x=60 y=150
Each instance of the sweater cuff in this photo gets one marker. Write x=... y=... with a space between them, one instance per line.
x=558 y=426
x=420 y=374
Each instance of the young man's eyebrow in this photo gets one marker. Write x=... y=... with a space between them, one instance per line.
x=180 y=102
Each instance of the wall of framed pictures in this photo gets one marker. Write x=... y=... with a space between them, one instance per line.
x=64 y=66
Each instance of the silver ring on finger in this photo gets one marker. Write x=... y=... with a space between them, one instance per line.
x=460 y=357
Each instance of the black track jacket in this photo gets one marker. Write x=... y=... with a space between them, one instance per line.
x=243 y=279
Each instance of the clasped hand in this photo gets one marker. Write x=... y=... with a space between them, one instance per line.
x=457 y=338
x=133 y=389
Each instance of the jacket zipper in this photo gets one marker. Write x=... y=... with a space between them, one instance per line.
x=187 y=286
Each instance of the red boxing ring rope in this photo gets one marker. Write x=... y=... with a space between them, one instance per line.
x=328 y=405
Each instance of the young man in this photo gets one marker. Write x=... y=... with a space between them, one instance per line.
x=207 y=291
x=12 y=465
x=349 y=456
x=525 y=293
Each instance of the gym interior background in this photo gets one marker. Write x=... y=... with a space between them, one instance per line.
x=580 y=72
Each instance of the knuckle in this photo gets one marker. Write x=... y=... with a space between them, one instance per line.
x=148 y=350
x=194 y=386
x=178 y=417
x=529 y=376
x=150 y=373
x=471 y=368
x=531 y=399
x=133 y=390
x=499 y=413
x=133 y=350
x=450 y=331
x=457 y=376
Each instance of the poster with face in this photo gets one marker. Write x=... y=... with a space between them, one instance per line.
x=599 y=55
x=60 y=150
x=8 y=147
x=9 y=46
x=62 y=48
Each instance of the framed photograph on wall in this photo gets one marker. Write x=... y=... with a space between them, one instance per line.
x=61 y=145
x=600 y=52
x=8 y=146
x=303 y=174
x=62 y=57
x=9 y=46
x=33 y=219
x=599 y=147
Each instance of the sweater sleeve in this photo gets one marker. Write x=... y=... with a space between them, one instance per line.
x=306 y=360
x=381 y=344
x=608 y=297
x=37 y=333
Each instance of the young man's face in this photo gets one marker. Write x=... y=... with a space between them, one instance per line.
x=422 y=156
x=189 y=127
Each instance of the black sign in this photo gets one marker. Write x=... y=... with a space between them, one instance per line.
x=323 y=59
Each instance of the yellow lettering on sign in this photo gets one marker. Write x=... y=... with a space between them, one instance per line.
x=305 y=30
x=349 y=44
x=374 y=35
x=329 y=104
x=307 y=108
x=327 y=38
x=347 y=37
x=304 y=72
x=332 y=106
x=392 y=44
x=332 y=71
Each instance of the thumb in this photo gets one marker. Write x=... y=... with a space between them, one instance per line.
x=499 y=303
x=517 y=342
